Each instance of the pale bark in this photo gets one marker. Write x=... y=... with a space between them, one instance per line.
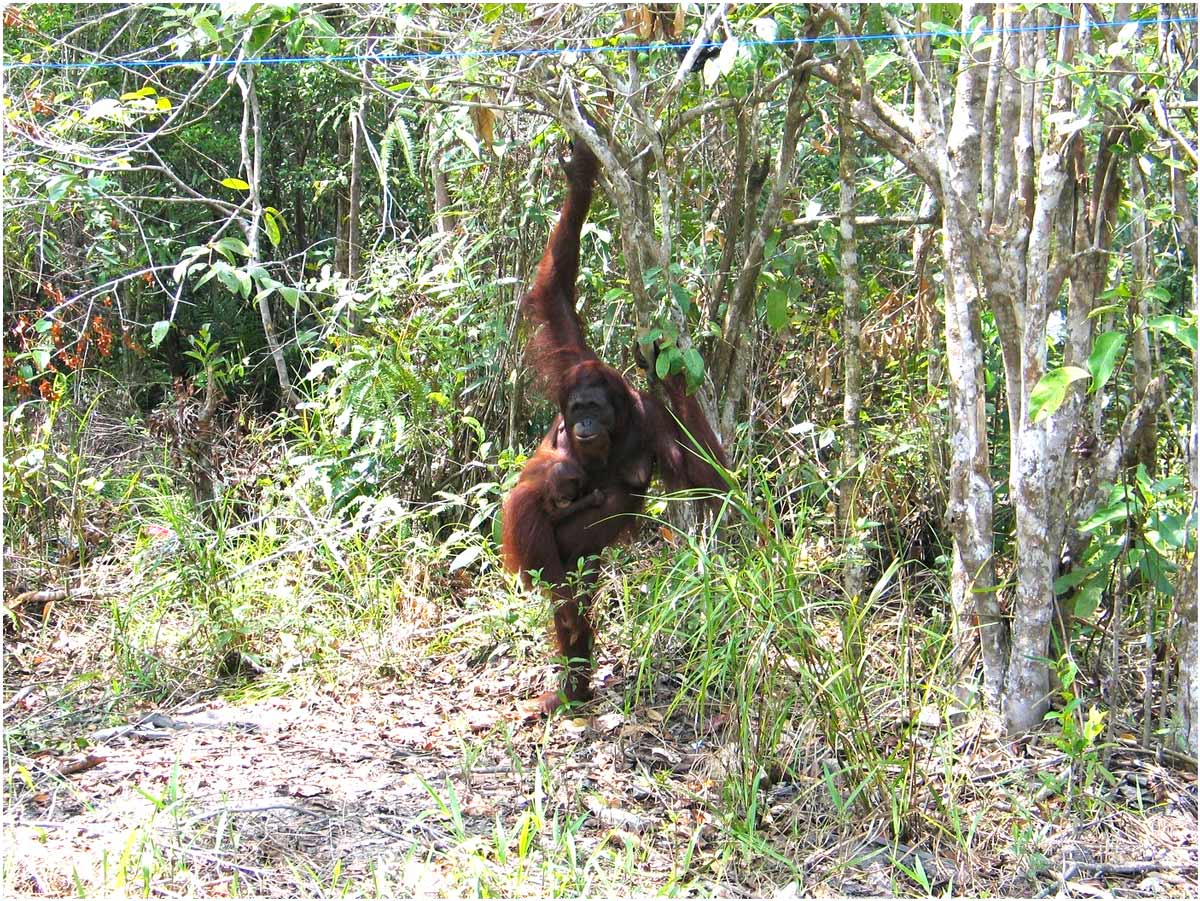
x=1012 y=174
x=852 y=401
x=442 y=216
x=969 y=512
x=1188 y=697
x=251 y=134
x=1188 y=693
x=341 y=246
x=354 y=200
x=1141 y=350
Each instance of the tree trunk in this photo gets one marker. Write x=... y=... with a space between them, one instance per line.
x=848 y=483
x=1188 y=698
x=969 y=512
x=341 y=252
x=441 y=192
x=252 y=165
x=1142 y=253
x=354 y=203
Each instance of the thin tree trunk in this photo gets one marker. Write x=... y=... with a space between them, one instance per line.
x=354 y=206
x=1188 y=697
x=852 y=401
x=1143 y=279
x=341 y=252
x=441 y=191
x=969 y=511
x=252 y=165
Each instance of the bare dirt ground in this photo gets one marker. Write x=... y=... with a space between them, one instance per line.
x=421 y=782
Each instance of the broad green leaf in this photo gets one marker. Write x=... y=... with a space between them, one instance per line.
x=1051 y=390
x=693 y=365
x=158 y=331
x=41 y=358
x=234 y=245
x=1105 y=515
x=466 y=558
x=777 y=309
x=1175 y=327
x=271 y=220
x=291 y=295
x=766 y=29
x=139 y=94
x=877 y=62
x=728 y=55
x=666 y=362
x=236 y=183
x=1105 y=353
x=200 y=282
x=227 y=276
x=244 y=282
x=57 y=187
x=1159 y=293
x=206 y=26
x=1105 y=310
x=683 y=298
x=163 y=103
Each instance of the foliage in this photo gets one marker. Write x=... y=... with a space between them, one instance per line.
x=370 y=509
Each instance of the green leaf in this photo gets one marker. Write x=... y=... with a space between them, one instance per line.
x=207 y=27
x=765 y=29
x=666 y=362
x=158 y=331
x=1106 y=309
x=1105 y=515
x=234 y=245
x=244 y=282
x=683 y=298
x=1051 y=390
x=1105 y=353
x=877 y=62
x=291 y=295
x=465 y=558
x=41 y=358
x=272 y=228
x=227 y=276
x=1175 y=327
x=693 y=365
x=236 y=183
x=57 y=187
x=728 y=55
x=777 y=309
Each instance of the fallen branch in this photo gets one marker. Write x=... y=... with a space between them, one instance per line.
x=1133 y=868
x=50 y=595
x=80 y=764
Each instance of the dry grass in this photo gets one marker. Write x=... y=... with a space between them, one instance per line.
x=389 y=771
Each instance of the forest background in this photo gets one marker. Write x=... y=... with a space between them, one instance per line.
x=931 y=269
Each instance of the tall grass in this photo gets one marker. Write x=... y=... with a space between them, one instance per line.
x=800 y=677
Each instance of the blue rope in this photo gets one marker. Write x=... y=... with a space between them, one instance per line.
x=558 y=51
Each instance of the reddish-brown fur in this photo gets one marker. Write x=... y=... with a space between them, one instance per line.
x=616 y=461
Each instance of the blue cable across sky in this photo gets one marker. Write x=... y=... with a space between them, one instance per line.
x=560 y=51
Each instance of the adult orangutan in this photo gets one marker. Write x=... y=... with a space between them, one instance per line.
x=608 y=435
